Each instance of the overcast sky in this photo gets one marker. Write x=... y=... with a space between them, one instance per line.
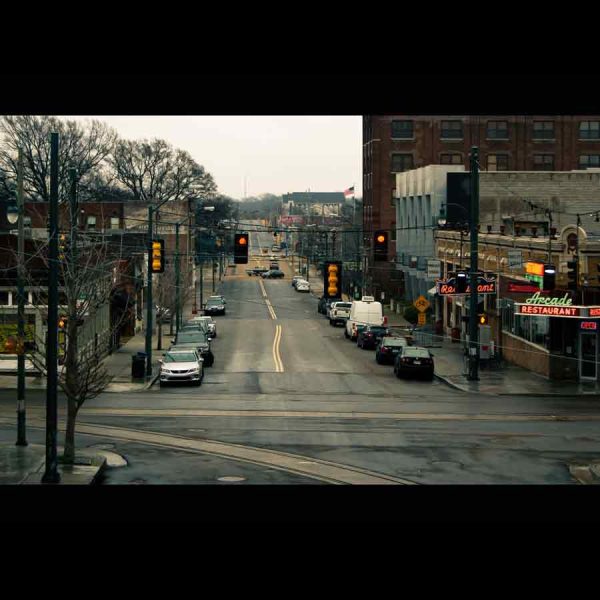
x=275 y=154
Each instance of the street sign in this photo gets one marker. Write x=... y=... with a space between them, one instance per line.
x=515 y=260
x=421 y=304
x=422 y=319
x=433 y=268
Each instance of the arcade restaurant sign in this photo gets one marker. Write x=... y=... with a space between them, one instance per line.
x=547 y=306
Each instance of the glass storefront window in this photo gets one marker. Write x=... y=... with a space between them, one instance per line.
x=532 y=329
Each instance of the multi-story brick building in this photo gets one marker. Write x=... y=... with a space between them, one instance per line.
x=397 y=143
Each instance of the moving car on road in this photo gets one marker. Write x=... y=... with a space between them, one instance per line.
x=181 y=365
x=414 y=361
x=387 y=349
x=214 y=306
x=196 y=340
x=273 y=274
x=256 y=271
x=370 y=336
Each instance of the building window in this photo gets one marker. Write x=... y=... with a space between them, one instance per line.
x=451 y=159
x=497 y=130
x=401 y=162
x=589 y=161
x=452 y=130
x=114 y=223
x=543 y=130
x=543 y=162
x=91 y=222
x=497 y=162
x=589 y=130
x=402 y=130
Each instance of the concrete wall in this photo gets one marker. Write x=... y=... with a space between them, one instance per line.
x=525 y=354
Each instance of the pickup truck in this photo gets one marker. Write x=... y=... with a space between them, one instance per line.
x=339 y=312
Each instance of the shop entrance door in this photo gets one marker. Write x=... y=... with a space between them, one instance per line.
x=588 y=350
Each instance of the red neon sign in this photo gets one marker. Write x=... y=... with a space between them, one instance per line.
x=589 y=325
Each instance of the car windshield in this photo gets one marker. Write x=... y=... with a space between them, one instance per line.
x=190 y=337
x=393 y=342
x=215 y=302
x=180 y=357
x=416 y=352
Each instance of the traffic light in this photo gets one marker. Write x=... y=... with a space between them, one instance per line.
x=158 y=256
x=572 y=274
x=332 y=279
x=483 y=319
x=62 y=339
x=549 y=277
x=62 y=246
x=380 y=246
x=240 y=252
x=462 y=281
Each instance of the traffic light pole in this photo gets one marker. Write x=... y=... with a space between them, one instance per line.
x=177 y=292
x=149 y=308
x=21 y=417
x=474 y=222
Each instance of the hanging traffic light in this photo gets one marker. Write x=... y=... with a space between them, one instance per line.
x=158 y=256
x=462 y=281
x=240 y=251
x=572 y=274
x=380 y=246
x=549 y=277
x=332 y=279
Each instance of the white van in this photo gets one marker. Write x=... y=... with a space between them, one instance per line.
x=365 y=311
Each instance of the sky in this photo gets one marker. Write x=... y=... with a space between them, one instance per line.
x=274 y=155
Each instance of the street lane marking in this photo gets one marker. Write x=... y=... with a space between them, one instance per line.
x=322 y=470
x=276 y=354
x=266 y=299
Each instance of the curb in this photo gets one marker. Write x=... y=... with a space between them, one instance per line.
x=152 y=381
x=453 y=385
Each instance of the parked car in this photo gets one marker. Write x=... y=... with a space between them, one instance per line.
x=214 y=306
x=256 y=271
x=323 y=305
x=273 y=274
x=369 y=337
x=415 y=361
x=302 y=286
x=387 y=349
x=181 y=365
x=206 y=324
x=295 y=278
x=355 y=331
x=163 y=313
x=339 y=312
x=219 y=296
x=198 y=341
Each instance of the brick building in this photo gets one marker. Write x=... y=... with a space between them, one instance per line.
x=396 y=143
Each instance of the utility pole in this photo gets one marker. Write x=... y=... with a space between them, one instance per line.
x=201 y=284
x=21 y=415
x=214 y=268
x=474 y=223
x=177 y=292
x=51 y=474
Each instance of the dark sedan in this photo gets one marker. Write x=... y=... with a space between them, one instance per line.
x=414 y=361
x=387 y=349
x=369 y=337
x=214 y=306
x=324 y=305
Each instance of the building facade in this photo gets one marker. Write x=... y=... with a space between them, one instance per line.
x=396 y=143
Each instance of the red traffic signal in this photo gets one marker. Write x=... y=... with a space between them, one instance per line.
x=240 y=250
x=380 y=246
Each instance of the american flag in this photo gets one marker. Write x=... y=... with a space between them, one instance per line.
x=349 y=192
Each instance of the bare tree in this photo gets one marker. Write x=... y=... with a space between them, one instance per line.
x=87 y=270
x=82 y=148
x=154 y=172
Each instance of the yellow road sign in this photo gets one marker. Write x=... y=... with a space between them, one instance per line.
x=422 y=319
x=421 y=304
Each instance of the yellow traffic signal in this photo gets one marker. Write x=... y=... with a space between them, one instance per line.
x=483 y=319
x=62 y=322
x=332 y=279
x=158 y=256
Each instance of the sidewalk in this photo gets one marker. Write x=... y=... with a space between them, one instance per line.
x=26 y=465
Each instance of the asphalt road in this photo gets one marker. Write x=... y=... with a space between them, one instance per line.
x=290 y=400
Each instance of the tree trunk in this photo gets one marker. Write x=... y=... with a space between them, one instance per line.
x=69 y=453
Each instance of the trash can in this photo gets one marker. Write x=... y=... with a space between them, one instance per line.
x=138 y=365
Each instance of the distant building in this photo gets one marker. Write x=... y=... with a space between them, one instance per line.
x=313 y=203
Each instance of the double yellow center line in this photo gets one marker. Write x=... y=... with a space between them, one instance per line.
x=277 y=340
